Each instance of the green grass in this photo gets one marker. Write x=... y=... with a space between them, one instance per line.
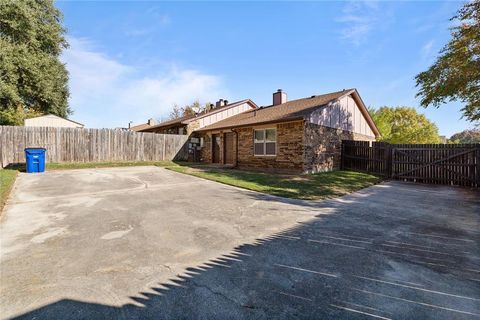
x=7 y=178
x=312 y=186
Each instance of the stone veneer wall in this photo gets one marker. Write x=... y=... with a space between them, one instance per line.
x=323 y=147
x=192 y=126
x=206 y=151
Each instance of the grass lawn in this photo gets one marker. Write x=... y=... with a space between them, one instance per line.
x=313 y=186
x=7 y=178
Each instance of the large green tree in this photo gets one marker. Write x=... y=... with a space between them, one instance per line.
x=455 y=75
x=404 y=125
x=33 y=80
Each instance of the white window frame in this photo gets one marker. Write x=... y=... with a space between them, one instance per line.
x=264 y=141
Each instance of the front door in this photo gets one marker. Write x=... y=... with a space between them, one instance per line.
x=216 y=148
x=229 y=157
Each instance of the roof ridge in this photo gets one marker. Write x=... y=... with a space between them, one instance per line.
x=310 y=97
x=290 y=110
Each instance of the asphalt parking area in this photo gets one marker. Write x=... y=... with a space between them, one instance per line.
x=145 y=242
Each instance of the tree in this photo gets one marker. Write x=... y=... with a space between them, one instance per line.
x=404 y=125
x=188 y=110
x=455 y=75
x=176 y=112
x=33 y=80
x=466 y=136
x=192 y=109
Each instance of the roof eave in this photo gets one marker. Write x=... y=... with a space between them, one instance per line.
x=167 y=126
x=252 y=124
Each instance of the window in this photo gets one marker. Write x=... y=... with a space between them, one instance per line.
x=265 y=142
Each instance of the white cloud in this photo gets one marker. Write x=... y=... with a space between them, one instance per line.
x=107 y=93
x=359 y=19
x=426 y=51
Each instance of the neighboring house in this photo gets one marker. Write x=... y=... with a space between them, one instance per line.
x=301 y=135
x=140 y=127
x=188 y=124
x=51 y=120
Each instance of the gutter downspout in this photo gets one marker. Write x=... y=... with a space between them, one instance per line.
x=236 y=147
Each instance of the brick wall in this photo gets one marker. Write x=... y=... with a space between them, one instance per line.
x=301 y=147
x=323 y=145
x=289 y=149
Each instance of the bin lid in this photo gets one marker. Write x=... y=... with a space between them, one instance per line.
x=35 y=149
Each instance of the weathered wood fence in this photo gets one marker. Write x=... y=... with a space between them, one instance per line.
x=90 y=145
x=450 y=164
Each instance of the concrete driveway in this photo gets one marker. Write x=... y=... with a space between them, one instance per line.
x=145 y=242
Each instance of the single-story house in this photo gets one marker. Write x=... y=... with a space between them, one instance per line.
x=186 y=125
x=302 y=135
x=51 y=120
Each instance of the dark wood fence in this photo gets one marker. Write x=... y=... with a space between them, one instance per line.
x=450 y=164
x=90 y=145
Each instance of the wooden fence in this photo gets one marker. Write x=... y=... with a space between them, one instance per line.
x=90 y=145
x=450 y=164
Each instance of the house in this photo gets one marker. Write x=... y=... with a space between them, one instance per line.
x=139 y=127
x=186 y=125
x=51 y=120
x=301 y=135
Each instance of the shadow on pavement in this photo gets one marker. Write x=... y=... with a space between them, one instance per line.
x=361 y=257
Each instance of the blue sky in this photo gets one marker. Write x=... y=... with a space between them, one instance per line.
x=130 y=61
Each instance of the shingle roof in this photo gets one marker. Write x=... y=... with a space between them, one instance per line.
x=291 y=110
x=173 y=121
x=139 y=127
x=186 y=119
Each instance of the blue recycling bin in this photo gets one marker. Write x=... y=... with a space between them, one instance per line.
x=35 y=158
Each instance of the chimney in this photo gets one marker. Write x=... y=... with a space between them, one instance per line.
x=130 y=124
x=219 y=103
x=279 y=97
x=151 y=122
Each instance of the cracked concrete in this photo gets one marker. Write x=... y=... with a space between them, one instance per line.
x=148 y=243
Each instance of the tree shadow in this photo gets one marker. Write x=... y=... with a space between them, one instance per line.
x=345 y=263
